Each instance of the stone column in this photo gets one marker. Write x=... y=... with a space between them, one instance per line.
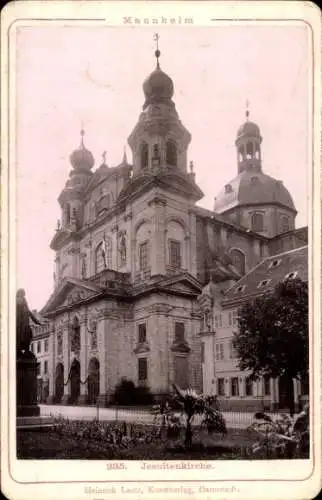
x=102 y=330
x=242 y=386
x=191 y=244
x=83 y=397
x=66 y=354
x=158 y=237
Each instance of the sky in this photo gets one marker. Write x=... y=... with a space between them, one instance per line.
x=69 y=77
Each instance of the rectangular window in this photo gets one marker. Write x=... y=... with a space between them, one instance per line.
x=202 y=352
x=221 y=386
x=142 y=369
x=38 y=346
x=218 y=321
x=46 y=367
x=232 y=351
x=234 y=386
x=175 y=254
x=143 y=256
x=46 y=345
x=179 y=332
x=38 y=368
x=248 y=386
x=267 y=386
x=219 y=351
x=142 y=333
x=235 y=317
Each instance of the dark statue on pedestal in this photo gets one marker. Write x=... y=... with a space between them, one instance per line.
x=26 y=361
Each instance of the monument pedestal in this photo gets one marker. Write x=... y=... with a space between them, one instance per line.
x=28 y=411
x=27 y=385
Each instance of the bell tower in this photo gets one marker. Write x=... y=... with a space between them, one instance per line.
x=159 y=141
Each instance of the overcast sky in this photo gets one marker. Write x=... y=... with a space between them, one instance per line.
x=70 y=75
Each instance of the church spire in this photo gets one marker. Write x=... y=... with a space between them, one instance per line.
x=157 y=52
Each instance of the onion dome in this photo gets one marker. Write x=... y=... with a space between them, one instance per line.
x=81 y=158
x=249 y=129
x=158 y=86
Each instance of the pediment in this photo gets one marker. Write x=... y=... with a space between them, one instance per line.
x=68 y=293
x=182 y=284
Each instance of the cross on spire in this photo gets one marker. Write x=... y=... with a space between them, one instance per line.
x=247 y=109
x=157 y=53
x=82 y=133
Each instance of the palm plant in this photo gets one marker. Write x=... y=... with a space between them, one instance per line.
x=189 y=403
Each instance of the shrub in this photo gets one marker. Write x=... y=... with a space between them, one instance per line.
x=127 y=394
x=124 y=393
x=281 y=437
x=143 y=396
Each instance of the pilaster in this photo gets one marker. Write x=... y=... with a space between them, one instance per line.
x=158 y=254
x=83 y=397
x=66 y=357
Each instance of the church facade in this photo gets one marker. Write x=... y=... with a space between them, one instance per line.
x=134 y=252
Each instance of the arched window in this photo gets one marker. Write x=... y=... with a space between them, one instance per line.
x=172 y=156
x=257 y=222
x=249 y=150
x=238 y=260
x=59 y=343
x=144 y=155
x=156 y=156
x=75 y=336
x=285 y=224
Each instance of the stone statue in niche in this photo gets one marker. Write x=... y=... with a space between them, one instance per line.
x=123 y=249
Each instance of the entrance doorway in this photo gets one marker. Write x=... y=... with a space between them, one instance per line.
x=59 y=382
x=74 y=382
x=93 y=383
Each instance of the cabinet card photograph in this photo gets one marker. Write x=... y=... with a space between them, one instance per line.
x=161 y=225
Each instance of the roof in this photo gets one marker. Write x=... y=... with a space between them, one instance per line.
x=268 y=273
x=253 y=188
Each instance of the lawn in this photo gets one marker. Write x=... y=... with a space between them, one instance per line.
x=50 y=444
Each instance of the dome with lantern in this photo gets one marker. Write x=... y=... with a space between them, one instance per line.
x=82 y=158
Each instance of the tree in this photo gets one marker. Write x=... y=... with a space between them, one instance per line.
x=273 y=334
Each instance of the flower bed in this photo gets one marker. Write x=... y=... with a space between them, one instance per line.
x=120 y=441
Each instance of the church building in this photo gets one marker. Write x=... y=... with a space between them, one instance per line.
x=134 y=252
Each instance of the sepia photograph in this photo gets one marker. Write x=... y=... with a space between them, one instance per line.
x=163 y=229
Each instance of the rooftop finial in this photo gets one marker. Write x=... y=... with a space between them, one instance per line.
x=82 y=133
x=124 y=161
x=247 y=109
x=104 y=157
x=157 y=53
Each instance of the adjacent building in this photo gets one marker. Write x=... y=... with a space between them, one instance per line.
x=221 y=375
